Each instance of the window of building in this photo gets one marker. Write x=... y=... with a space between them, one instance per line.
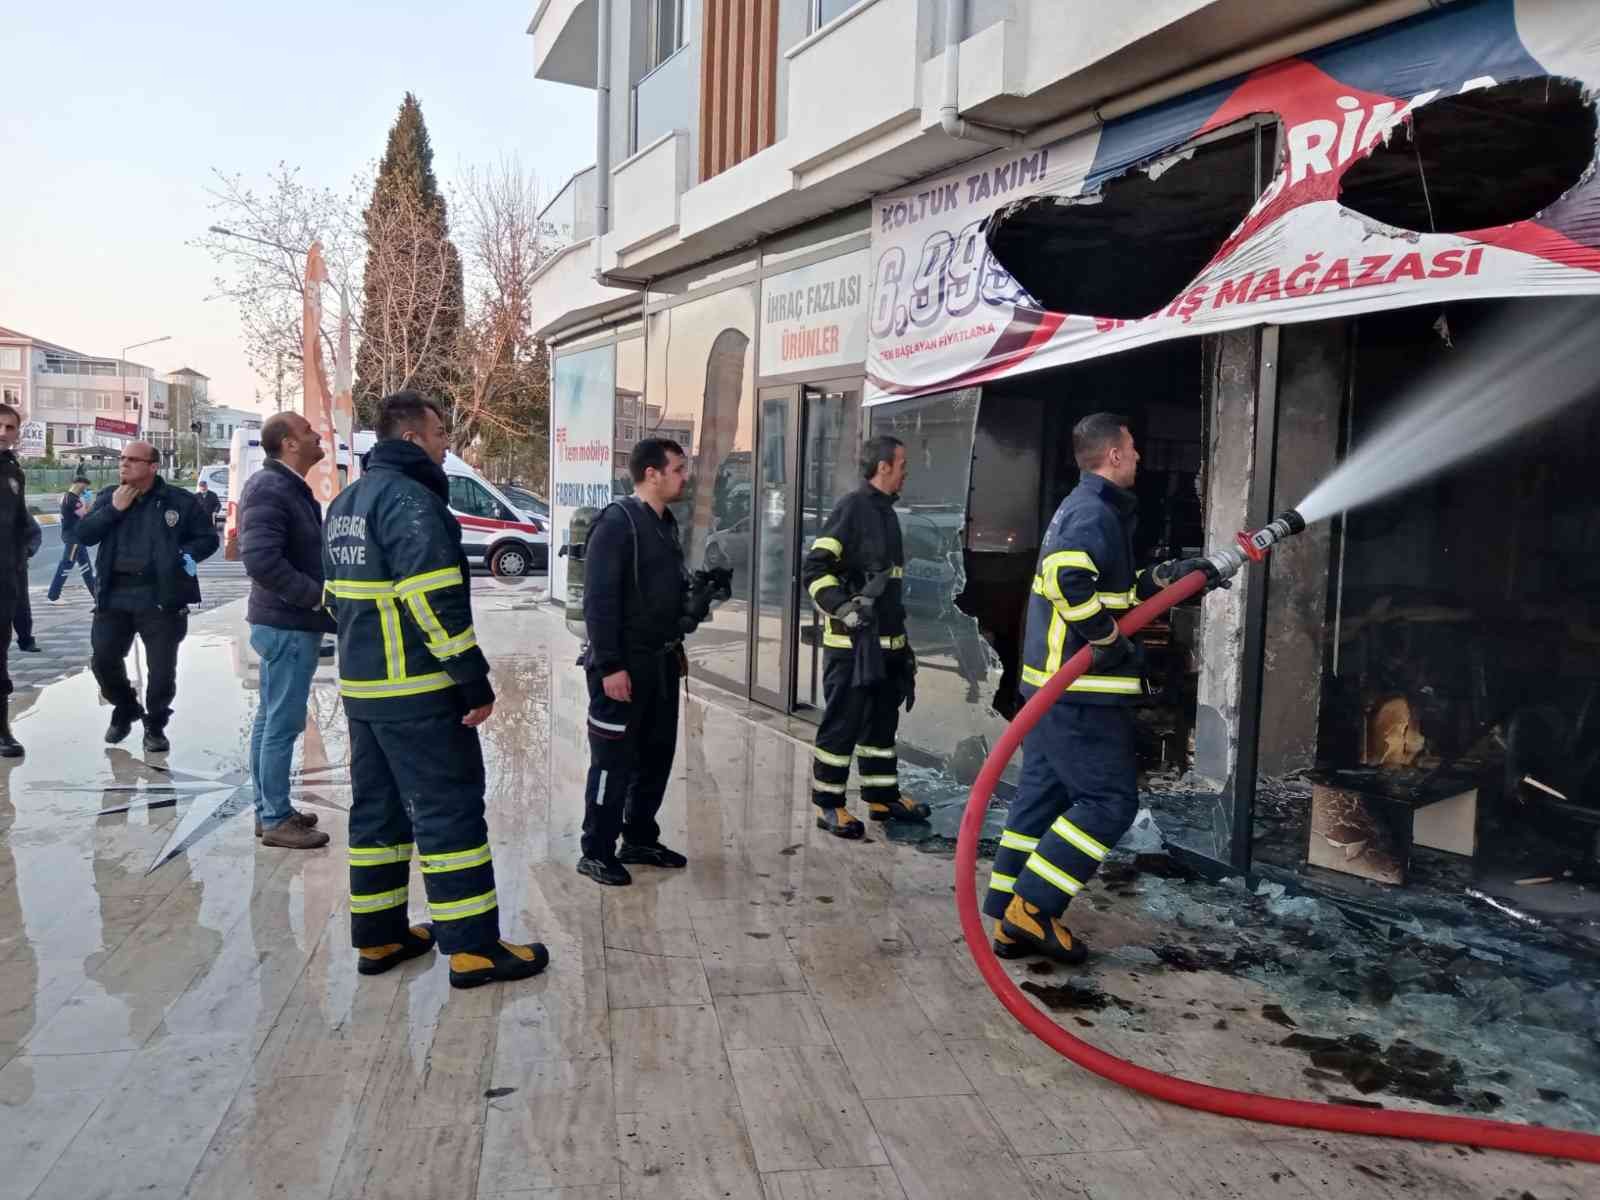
x=666 y=30
x=823 y=11
x=12 y=398
x=102 y=401
x=10 y=358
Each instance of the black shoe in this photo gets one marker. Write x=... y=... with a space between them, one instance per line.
x=612 y=874
x=118 y=730
x=901 y=808
x=9 y=746
x=499 y=963
x=378 y=959
x=651 y=856
x=840 y=822
x=155 y=741
x=30 y=645
x=1006 y=946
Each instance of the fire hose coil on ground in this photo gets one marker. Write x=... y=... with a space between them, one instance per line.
x=1274 y=1110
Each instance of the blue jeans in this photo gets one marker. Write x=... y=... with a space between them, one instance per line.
x=288 y=661
x=72 y=554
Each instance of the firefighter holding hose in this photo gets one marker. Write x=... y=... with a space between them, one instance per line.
x=1079 y=788
x=855 y=571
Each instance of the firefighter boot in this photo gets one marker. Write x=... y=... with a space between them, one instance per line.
x=375 y=960
x=1041 y=934
x=1006 y=946
x=9 y=746
x=901 y=808
x=840 y=822
x=499 y=963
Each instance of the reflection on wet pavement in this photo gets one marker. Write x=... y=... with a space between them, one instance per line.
x=788 y=1017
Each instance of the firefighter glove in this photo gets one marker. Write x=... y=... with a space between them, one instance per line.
x=1106 y=658
x=1168 y=573
x=854 y=612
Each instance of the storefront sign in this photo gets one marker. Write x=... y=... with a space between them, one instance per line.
x=945 y=314
x=31 y=439
x=121 y=428
x=582 y=429
x=815 y=317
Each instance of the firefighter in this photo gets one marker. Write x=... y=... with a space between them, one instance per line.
x=854 y=572
x=1079 y=788
x=416 y=689
x=639 y=602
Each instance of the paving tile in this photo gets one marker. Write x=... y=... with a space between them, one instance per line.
x=767 y=1021
x=668 y=1059
x=845 y=1183
x=411 y=1164
x=802 y=1111
x=650 y=980
x=686 y=1154
x=947 y=1148
x=556 y=1127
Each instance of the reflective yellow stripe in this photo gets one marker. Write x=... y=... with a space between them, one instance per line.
x=394 y=655
x=874 y=752
x=359 y=589
x=897 y=572
x=1002 y=883
x=378 y=856
x=1076 y=559
x=835 y=641
x=1055 y=642
x=828 y=545
x=835 y=789
x=1080 y=612
x=456 y=910
x=1113 y=685
x=1016 y=841
x=427 y=620
x=460 y=860
x=898 y=642
x=1054 y=876
x=1069 y=832
x=377 y=689
x=1116 y=599
x=429 y=581
x=826 y=581
x=879 y=780
x=833 y=760
x=451 y=647
x=378 y=901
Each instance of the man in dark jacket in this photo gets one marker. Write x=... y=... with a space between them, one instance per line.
x=415 y=688
x=17 y=530
x=635 y=597
x=1079 y=789
x=209 y=500
x=280 y=541
x=150 y=536
x=855 y=573
x=72 y=554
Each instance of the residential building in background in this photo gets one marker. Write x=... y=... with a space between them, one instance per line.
x=219 y=423
x=83 y=400
x=969 y=223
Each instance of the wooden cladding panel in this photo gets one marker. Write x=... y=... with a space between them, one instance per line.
x=738 y=82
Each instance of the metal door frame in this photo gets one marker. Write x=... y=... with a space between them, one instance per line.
x=782 y=700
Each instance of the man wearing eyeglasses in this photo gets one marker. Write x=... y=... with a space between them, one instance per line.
x=149 y=536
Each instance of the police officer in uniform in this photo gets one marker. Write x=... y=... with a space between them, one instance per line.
x=1079 y=788
x=639 y=602
x=18 y=530
x=855 y=571
x=415 y=689
x=150 y=537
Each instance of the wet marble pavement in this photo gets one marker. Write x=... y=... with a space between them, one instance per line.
x=791 y=1018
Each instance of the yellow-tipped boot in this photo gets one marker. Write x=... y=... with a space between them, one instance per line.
x=901 y=808
x=840 y=822
x=375 y=960
x=500 y=963
x=1040 y=934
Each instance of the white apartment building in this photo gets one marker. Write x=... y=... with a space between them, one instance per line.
x=969 y=223
x=83 y=399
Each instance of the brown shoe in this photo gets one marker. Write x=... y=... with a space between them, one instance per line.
x=292 y=835
x=308 y=819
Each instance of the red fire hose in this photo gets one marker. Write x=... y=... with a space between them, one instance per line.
x=1272 y=1110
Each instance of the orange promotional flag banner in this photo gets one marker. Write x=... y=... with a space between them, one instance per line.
x=317 y=407
x=343 y=399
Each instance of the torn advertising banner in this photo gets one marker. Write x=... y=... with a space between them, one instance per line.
x=946 y=312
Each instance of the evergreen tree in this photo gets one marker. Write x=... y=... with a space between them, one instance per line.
x=412 y=289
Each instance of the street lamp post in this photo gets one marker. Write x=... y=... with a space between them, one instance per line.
x=122 y=376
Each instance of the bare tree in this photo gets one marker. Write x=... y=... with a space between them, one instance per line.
x=263 y=269
x=500 y=388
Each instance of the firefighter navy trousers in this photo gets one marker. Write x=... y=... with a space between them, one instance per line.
x=860 y=722
x=631 y=747
x=420 y=784
x=1078 y=795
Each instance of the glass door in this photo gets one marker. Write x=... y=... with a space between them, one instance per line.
x=775 y=573
x=830 y=444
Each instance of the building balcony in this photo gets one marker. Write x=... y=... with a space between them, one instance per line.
x=663 y=100
x=646 y=190
x=569 y=217
x=565 y=37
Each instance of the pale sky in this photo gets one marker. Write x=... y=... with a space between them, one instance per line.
x=112 y=117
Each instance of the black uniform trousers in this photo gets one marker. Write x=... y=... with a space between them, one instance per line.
x=111 y=637
x=8 y=599
x=419 y=784
x=1078 y=794
x=631 y=747
x=22 y=611
x=860 y=722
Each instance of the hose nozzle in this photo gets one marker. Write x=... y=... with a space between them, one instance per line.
x=1255 y=545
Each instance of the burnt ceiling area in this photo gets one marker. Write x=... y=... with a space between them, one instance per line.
x=1130 y=248
x=1488 y=157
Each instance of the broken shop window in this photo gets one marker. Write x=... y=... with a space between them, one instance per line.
x=1490 y=156
x=1126 y=249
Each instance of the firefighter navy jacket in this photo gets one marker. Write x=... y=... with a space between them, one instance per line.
x=1086 y=579
x=861 y=538
x=401 y=592
x=634 y=584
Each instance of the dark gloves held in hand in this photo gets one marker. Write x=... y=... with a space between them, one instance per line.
x=1168 y=573
x=1105 y=659
x=706 y=589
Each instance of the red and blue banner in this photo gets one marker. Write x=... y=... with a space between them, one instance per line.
x=945 y=313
